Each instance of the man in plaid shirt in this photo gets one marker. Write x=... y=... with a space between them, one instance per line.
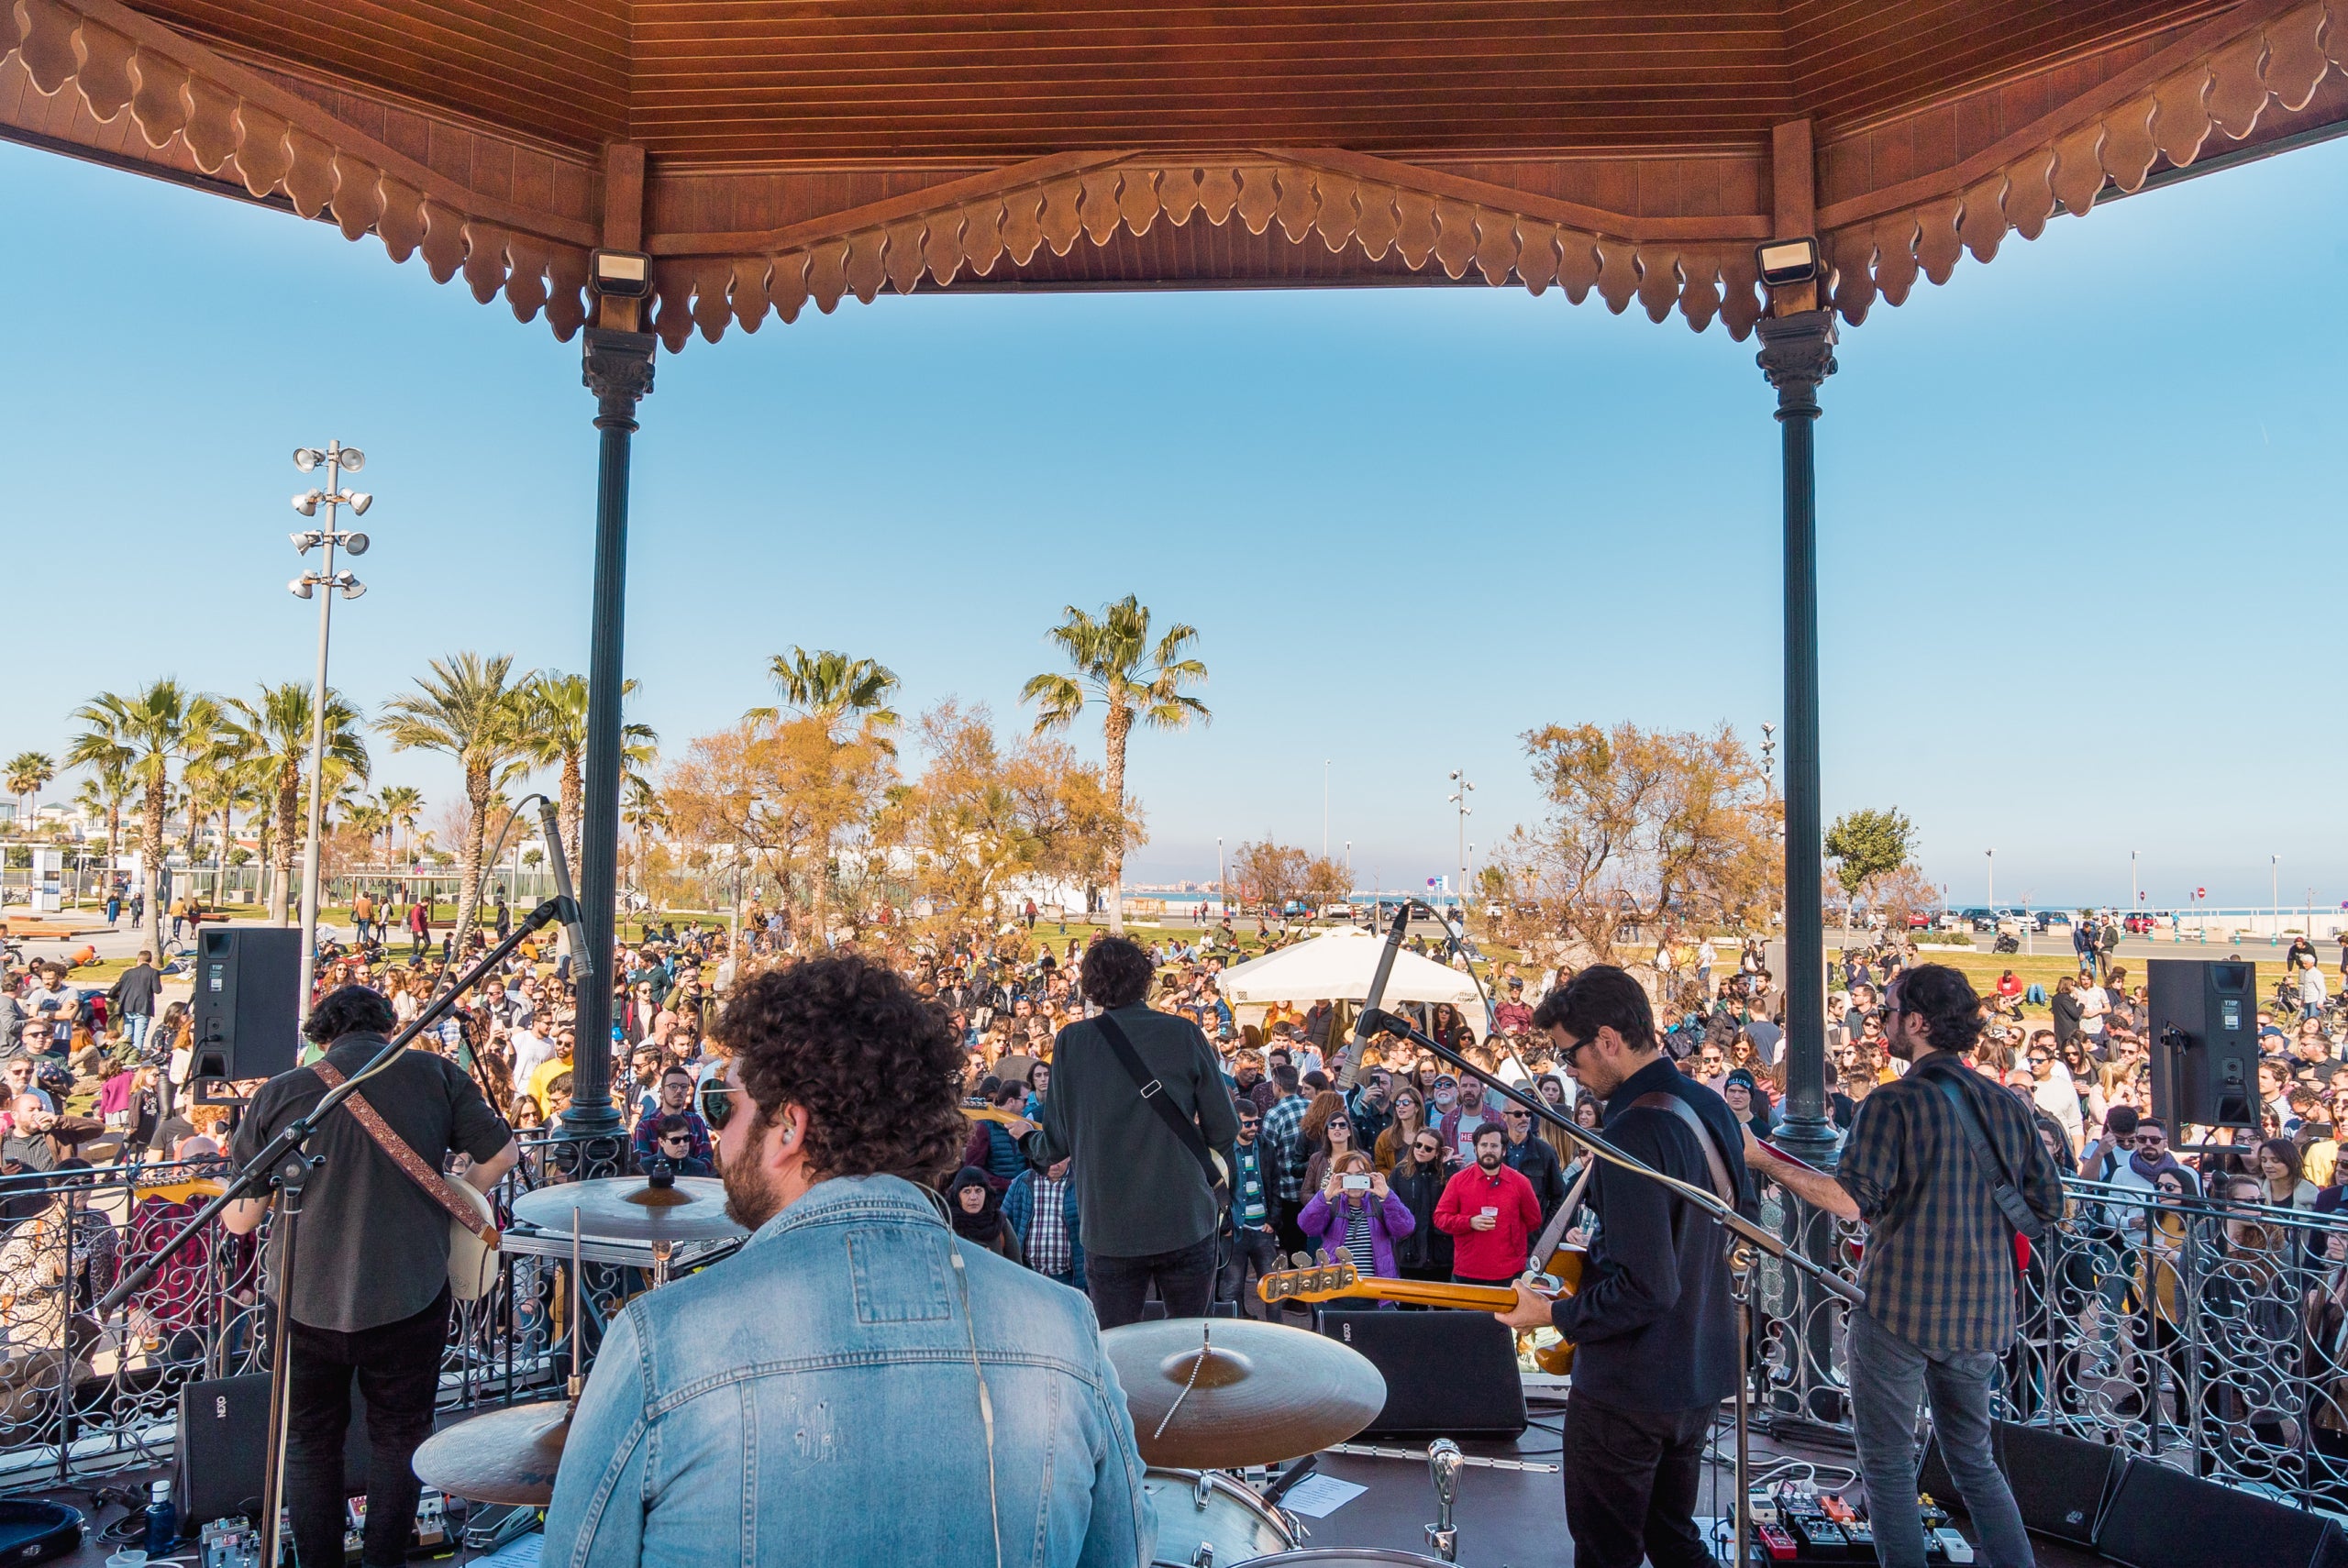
x=1939 y=1272
x=1287 y=1155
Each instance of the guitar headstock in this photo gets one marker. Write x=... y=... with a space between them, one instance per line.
x=1310 y=1279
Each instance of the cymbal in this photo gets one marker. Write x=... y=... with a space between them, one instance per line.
x=1265 y=1392
x=505 y=1456
x=632 y=1209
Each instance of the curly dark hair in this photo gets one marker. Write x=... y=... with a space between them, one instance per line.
x=1945 y=1001
x=1116 y=972
x=348 y=1010
x=878 y=1069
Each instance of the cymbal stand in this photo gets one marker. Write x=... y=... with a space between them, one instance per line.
x=1740 y=1274
x=1444 y=1464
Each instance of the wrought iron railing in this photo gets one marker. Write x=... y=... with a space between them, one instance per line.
x=2206 y=1334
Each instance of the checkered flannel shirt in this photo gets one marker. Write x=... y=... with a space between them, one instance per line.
x=1283 y=1134
x=1938 y=1264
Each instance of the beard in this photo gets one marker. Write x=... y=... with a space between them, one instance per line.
x=752 y=1198
x=1490 y=1162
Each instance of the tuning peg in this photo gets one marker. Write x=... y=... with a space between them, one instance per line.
x=1323 y=1258
x=1301 y=1260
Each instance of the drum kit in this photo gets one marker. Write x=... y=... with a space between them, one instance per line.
x=1209 y=1397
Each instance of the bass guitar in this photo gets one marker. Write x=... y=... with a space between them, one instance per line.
x=1332 y=1279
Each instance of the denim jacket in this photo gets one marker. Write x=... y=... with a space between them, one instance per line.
x=814 y=1396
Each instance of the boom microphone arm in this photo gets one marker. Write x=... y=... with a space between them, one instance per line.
x=1350 y=1061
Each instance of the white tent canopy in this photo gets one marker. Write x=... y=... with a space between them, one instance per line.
x=1338 y=967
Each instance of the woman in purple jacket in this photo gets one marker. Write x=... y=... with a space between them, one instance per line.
x=1364 y=1221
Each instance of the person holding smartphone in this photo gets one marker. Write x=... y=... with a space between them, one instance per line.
x=1357 y=1213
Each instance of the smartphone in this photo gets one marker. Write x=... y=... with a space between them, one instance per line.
x=1356 y=1183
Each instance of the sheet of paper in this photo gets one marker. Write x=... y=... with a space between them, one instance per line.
x=1318 y=1496
x=522 y=1551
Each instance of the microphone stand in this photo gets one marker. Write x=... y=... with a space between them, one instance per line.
x=286 y=1164
x=1743 y=1233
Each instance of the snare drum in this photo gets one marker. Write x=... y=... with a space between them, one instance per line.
x=1207 y=1519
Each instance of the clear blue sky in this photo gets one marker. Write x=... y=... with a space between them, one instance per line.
x=2082 y=546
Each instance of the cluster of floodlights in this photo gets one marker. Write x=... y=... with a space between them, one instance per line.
x=337 y=460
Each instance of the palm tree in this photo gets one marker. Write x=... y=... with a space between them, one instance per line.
x=368 y=819
x=472 y=709
x=828 y=686
x=159 y=728
x=272 y=735
x=108 y=786
x=641 y=810
x=27 y=771
x=402 y=804
x=555 y=720
x=1114 y=662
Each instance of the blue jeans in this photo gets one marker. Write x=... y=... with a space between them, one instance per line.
x=135 y=1026
x=1888 y=1375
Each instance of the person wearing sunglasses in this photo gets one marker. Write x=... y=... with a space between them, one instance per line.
x=1654 y=1321
x=854 y=1336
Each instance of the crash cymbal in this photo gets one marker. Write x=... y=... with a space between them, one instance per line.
x=632 y=1209
x=505 y=1456
x=1264 y=1393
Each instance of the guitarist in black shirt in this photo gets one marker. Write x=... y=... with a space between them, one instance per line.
x=1654 y=1323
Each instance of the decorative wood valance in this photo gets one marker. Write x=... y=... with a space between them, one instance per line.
x=2258 y=63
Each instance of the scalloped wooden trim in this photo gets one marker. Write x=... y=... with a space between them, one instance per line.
x=236 y=126
x=2223 y=90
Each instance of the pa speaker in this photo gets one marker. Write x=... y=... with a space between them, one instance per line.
x=248 y=1020
x=2204 y=1020
x=2165 y=1519
x=1447 y=1373
x=2062 y=1484
x=224 y=1445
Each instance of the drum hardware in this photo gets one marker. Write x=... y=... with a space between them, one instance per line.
x=1227 y=1521
x=1469 y=1461
x=1443 y=1464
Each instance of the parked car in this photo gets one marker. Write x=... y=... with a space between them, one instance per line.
x=2139 y=923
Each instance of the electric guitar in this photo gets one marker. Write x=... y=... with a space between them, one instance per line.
x=1330 y=1278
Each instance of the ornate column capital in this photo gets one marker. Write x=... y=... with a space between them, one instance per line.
x=1796 y=353
x=618 y=370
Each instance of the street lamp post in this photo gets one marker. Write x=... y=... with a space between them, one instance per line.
x=1222 y=879
x=1459 y=798
x=1992 y=857
x=2274 y=899
x=2135 y=897
x=1325 y=808
x=337 y=460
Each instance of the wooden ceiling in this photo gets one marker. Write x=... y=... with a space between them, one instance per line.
x=771 y=154
x=846 y=81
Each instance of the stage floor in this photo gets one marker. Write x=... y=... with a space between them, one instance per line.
x=1506 y=1519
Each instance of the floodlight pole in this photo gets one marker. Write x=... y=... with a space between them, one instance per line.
x=618 y=370
x=326 y=583
x=1797 y=353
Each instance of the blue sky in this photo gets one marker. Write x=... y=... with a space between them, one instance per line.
x=2080 y=539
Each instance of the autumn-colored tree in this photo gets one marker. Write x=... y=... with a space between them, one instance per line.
x=1644 y=829
x=1326 y=882
x=786 y=793
x=980 y=815
x=1266 y=874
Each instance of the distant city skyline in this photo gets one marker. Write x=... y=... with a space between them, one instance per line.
x=2078 y=521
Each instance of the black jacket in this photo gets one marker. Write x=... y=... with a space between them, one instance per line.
x=1427 y=1247
x=134 y=992
x=1655 y=1329
x=1537 y=1163
x=1139 y=1190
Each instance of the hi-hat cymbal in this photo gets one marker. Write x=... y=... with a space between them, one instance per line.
x=505 y=1456
x=632 y=1209
x=1265 y=1393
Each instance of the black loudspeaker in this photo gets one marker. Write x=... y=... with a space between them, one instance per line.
x=2204 y=1022
x=2062 y=1484
x=1447 y=1373
x=223 y=1445
x=2165 y=1519
x=247 y=1024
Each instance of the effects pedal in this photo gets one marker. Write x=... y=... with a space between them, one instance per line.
x=1820 y=1536
x=1861 y=1535
x=1776 y=1545
x=1762 y=1506
x=1954 y=1547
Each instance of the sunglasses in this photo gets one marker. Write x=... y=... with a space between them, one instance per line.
x=1339 y=1121
x=717 y=1104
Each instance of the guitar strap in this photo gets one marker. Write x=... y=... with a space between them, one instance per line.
x=1152 y=1093
x=411 y=1162
x=1663 y=1099
x=1552 y=1234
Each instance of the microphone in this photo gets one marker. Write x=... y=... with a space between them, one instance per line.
x=583 y=961
x=1349 y=1063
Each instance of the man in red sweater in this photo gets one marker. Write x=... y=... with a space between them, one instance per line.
x=1492 y=1214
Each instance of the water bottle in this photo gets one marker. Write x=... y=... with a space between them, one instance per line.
x=162 y=1520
